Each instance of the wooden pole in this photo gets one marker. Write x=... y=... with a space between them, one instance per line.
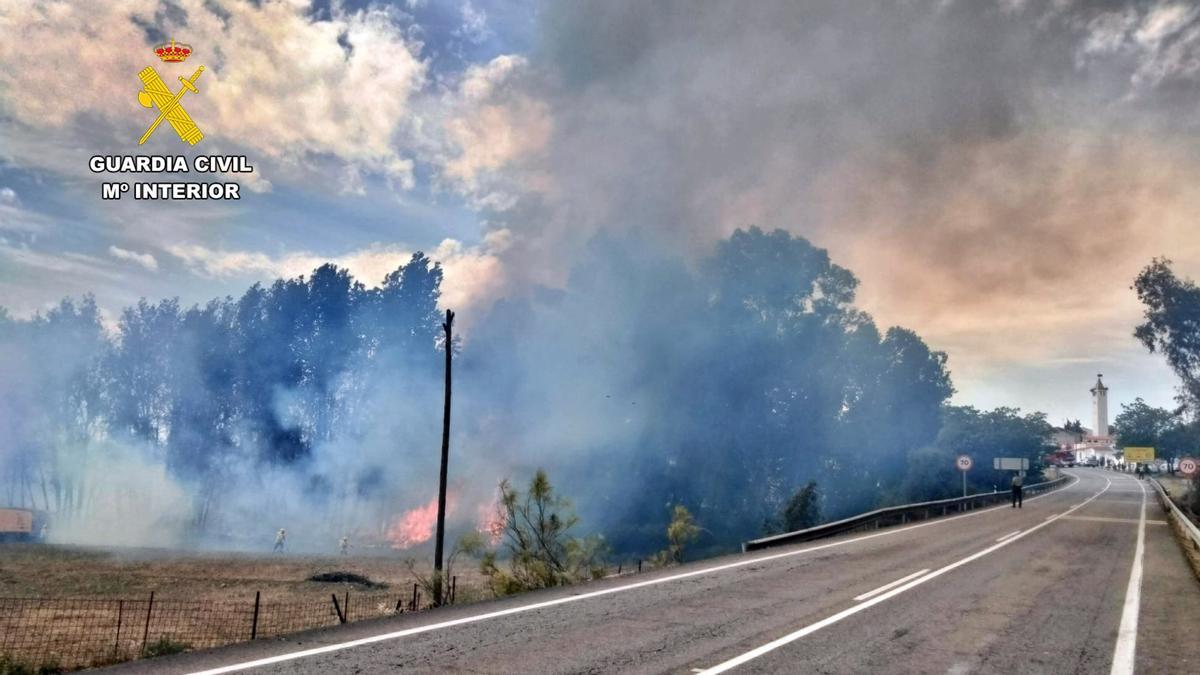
x=146 y=632
x=440 y=545
x=120 y=615
x=337 y=609
x=254 y=622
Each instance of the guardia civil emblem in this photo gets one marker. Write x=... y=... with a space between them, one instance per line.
x=155 y=94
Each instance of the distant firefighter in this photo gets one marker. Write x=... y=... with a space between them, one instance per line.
x=280 y=539
x=344 y=545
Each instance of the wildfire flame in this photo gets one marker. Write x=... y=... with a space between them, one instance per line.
x=491 y=521
x=416 y=526
x=413 y=527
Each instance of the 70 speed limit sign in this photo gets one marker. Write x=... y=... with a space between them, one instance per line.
x=963 y=463
x=1188 y=466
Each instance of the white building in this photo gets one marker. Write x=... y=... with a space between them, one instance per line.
x=1098 y=445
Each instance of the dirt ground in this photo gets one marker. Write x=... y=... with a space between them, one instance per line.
x=52 y=571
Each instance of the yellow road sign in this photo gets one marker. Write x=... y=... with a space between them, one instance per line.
x=1139 y=454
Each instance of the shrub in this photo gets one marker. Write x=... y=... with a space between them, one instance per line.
x=165 y=646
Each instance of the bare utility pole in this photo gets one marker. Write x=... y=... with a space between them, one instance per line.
x=440 y=545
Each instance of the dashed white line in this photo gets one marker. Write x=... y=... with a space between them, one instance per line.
x=893 y=584
x=1126 y=647
x=1010 y=534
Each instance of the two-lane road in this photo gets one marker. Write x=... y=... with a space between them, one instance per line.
x=1086 y=579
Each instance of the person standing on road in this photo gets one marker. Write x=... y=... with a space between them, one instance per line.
x=1018 y=491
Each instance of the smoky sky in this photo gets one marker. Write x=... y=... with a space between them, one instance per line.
x=995 y=172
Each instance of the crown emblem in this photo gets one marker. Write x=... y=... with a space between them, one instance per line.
x=173 y=53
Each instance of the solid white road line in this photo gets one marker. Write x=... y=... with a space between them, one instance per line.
x=884 y=587
x=1126 y=647
x=303 y=653
x=830 y=620
x=1010 y=534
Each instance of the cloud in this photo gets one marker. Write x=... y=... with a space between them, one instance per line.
x=8 y=197
x=491 y=124
x=474 y=275
x=1161 y=41
x=278 y=81
x=146 y=260
x=474 y=26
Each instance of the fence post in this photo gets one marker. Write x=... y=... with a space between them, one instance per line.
x=346 y=606
x=117 y=641
x=639 y=565
x=413 y=604
x=254 y=622
x=146 y=632
x=453 y=588
x=341 y=617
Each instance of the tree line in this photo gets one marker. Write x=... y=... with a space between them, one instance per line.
x=645 y=382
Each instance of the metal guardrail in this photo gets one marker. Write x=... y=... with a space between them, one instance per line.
x=896 y=515
x=1174 y=510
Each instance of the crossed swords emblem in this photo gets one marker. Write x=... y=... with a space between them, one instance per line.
x=156 y=93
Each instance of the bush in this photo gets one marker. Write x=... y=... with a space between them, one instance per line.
x=165 y=647
x=10 y=666
x=540 y=550
x=682 y=531
x=801 y=512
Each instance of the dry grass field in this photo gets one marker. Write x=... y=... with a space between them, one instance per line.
x=74 y=607
x=40 y=571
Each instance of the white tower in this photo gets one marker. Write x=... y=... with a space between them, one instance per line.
x=1100 y=407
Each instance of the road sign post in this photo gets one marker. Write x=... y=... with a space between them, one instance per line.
x=1010 y=463
x=1188 y=466
x=963 y=462
x=1138 y=455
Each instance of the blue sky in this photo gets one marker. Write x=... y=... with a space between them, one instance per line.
x=995 y=173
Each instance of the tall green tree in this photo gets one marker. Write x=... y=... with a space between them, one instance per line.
x=1171 y=323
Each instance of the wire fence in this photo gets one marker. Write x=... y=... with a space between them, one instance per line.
x=80 y=633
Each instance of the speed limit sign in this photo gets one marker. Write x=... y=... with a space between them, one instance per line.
x=1188 y=466
x=963 y=463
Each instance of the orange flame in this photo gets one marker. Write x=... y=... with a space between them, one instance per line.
x=491 y=520
x=413 y=527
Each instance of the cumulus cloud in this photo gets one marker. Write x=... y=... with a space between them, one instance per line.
x=146 y=260
x=8 y=196
x=278 y=81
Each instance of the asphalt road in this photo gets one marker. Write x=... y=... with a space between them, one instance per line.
x=1060 y=586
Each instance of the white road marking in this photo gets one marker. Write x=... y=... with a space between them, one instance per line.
x=830 y=620
x=1010 y=534
x=885 y=587
x=1131 y=521
x=314 y=651
x=1126 y=647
